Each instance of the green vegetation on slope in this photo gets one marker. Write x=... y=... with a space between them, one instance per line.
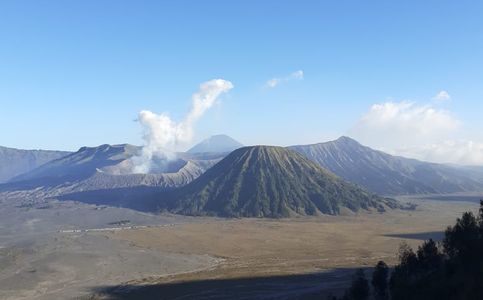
x=266 y=181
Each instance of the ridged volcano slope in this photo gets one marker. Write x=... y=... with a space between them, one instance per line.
x=14 y=162
x=266 y=181
x=386 y=174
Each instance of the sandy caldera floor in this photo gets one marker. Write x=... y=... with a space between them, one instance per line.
x=41 y=259
x=262 y=247
x=49 y=253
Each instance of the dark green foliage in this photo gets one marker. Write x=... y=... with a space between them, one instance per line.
x=416 y=271
x=265 y=181
x=455 y=273
x=359 y=289
x=462 y=239
x=379 y=281
x=331 y=297
x=429 y=257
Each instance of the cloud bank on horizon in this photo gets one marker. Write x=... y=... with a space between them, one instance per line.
x=297 y=75
x=424 y=131
x=162 y=136
x=421 y=131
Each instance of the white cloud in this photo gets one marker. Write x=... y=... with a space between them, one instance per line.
x=463 y=152
x=162 y=135
x=420 y=131
x=406 y=120
x=297 y=75
x=442 y=96
x=273 y=82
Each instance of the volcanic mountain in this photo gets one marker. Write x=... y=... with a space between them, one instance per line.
x=267 y=181
x=82 y=164
x=106 y=167
x=385 y=174
x=216 y=144
x=14 y=162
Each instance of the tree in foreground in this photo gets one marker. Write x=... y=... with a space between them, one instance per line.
x=452 y=270
x=380 y=281
x=359 y=289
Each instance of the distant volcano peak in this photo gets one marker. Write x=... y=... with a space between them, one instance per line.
x=216 y=144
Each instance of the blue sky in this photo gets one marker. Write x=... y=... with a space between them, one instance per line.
x=75 y=73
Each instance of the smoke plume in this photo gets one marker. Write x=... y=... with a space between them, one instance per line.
x=162 y=135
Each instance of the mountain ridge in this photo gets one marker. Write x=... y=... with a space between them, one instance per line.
x=220 y=143
x=270 y=181
x=383 y=173
x=108 y=167
x=14 y=162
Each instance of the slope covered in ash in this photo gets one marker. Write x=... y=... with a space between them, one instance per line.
x=14 y=162
x=106 y=167
x=81 y=164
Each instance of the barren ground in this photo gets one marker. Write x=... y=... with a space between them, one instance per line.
x=197 y=258
x=261 y=248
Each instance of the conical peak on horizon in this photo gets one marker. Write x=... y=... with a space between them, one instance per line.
x=216 y=143
x=293 y=185
x=163 y=136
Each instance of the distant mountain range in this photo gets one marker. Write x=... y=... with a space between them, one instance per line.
x=14 y=162
x=216 y=144
x=266 y=181
x=83 y=163
x=108 y=167
x=385 y=174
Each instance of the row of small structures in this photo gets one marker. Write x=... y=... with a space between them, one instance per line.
x=113 y=228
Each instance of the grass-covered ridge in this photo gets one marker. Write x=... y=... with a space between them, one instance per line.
x=268 y=181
